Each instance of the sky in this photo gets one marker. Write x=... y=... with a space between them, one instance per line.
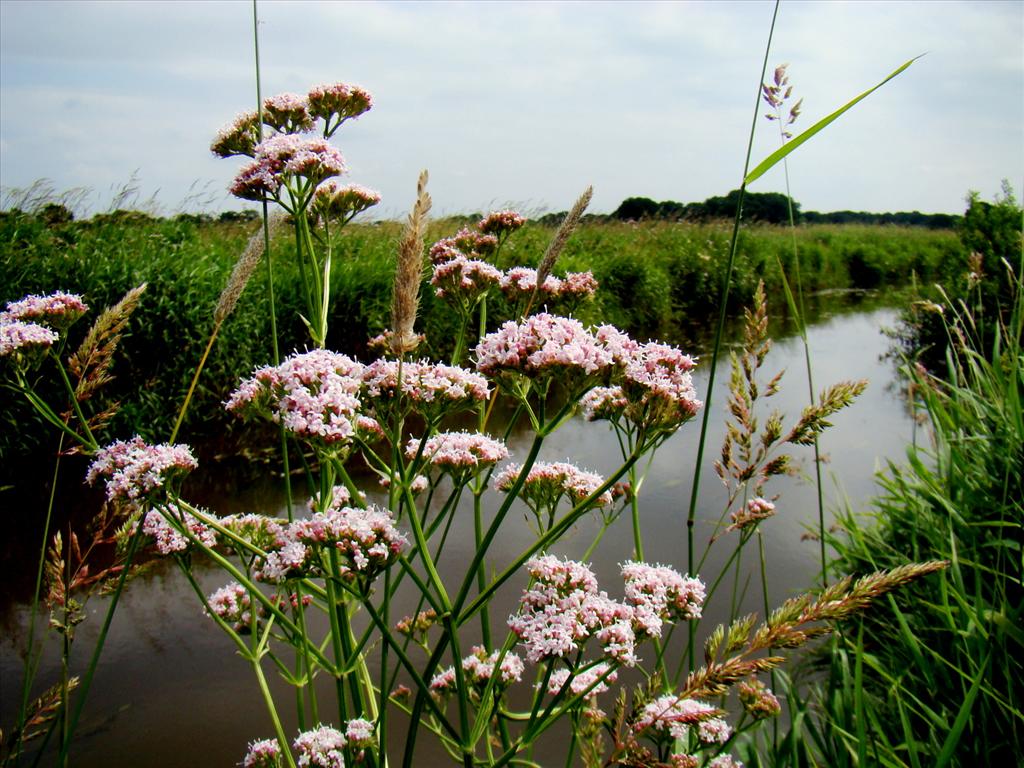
x=520 y=104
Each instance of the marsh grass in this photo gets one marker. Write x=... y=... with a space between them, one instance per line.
x=658 y=279
x=934 y=676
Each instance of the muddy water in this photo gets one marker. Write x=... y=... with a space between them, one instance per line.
x=171 y=691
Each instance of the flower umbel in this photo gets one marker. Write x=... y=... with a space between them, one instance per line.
x=133 y=470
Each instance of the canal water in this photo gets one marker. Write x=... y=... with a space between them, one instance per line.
x=171 y=691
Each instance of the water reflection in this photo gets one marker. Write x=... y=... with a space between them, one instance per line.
x=171 y=692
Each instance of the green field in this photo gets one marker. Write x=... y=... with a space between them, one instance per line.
x=657 y=279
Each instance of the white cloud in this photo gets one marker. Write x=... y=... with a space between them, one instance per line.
x=531 y=102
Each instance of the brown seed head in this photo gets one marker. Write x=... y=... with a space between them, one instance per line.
x=408 y=273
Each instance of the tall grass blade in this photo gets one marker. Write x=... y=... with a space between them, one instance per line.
x=783 y=151
x=949 y=746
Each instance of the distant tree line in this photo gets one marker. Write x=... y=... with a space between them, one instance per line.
x=764 y=207
x=770 y=208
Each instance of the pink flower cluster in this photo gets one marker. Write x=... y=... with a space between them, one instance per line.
x=563 y=609
x=756 y=510
x=657 y=377
x=501 y=223
x=366 y=539
x=233 y=604
x=518 y=284
x=340 y=497
x=314 y=394
x=134 y=470
x=659 y=593
x=673 y=717
x=321 y=747
x=16 y=336
x=459 y=452
x=260 y=531
x=652 y=385
x=336 y=201
x=288 y=113
x=283 y=157
x=479 y=669
x=547 y=483
x=543 y=346
x=464 y=280
x=433 y=388
x=238 y=137
x=604 y=403
x=263 y=754
x=585 y=680
x=56 y=310
x=465 y=242
x=170 y=539
x=360 y=733
x=338 y=100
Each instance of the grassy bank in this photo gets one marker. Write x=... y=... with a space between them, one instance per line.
x=934 y=676
x=657 y=279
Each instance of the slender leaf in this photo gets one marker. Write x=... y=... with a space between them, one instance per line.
x=953 y=737
x=788 y=147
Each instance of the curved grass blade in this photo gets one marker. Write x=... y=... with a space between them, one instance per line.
x=789 y=146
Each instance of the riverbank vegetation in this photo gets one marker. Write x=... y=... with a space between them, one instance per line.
x=936 y=675
x=657 y=279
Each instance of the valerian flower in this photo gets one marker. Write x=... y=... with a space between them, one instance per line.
x=315 y=395
x=458 y=453
x=133 y=470
x=545 y=348
x=239 y=137
x=18 y=339
x=263 y=754
x=547 y=483
x=56 y=310
x=288 y=113
x=280 y=159
x=563 y=609
x=333 y=201
x=501 y=223
x=170 y=538
x=338 y=102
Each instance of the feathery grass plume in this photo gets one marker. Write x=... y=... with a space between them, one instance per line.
x=90 y=363
x=814 y=418
x=561 y=237
x=408 y=273
x=240 y=276
x=243 y=271
x=793 y=624
x=41 y=711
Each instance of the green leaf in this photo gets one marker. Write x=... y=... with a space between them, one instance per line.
x=953 y=737
x=785 y=149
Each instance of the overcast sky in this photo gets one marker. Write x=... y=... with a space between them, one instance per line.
x=522 y=103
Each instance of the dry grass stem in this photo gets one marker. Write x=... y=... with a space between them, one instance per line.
x=791 y=625
x=41 y=711
x=562 y=235
x=409 y=273
x=243 y=271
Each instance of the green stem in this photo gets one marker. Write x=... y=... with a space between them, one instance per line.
x=75 y=404
x=268 y=698
x=334 y=608
x=83 y=688
x=194 y=382
x=723 y=302
x=30 y=665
